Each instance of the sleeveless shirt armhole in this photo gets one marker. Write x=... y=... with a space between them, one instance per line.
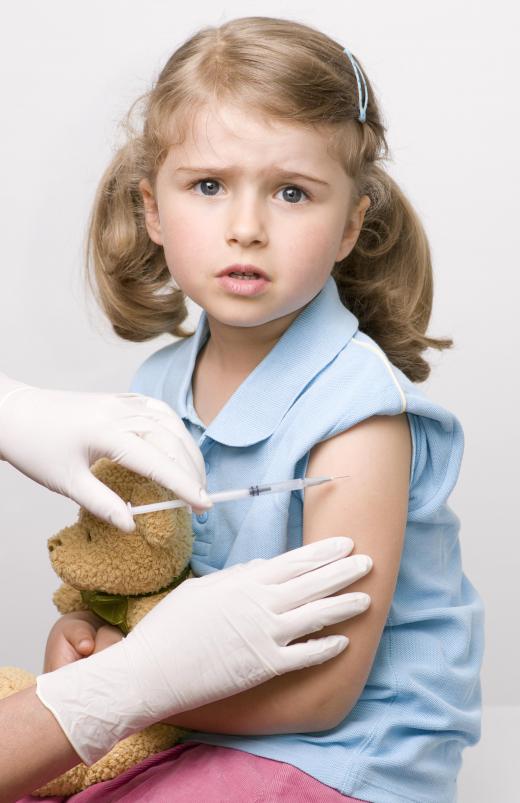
x=416 y=448
x=437 y=457
x=436 y=449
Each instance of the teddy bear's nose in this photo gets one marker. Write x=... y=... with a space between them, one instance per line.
x=53 y=543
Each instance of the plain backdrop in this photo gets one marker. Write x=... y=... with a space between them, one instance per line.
x=445 y=76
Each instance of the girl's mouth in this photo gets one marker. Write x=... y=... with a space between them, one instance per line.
x=242 y=284
x=243 y=280
x=238 y=275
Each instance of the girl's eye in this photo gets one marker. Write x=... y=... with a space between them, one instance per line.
x=210 y=183
x=210 y=187
x=293 y=194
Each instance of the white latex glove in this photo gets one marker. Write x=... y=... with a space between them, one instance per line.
x=210 y=638
x=54 y=436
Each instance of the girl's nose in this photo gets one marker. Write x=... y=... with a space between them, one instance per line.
x=246 y=225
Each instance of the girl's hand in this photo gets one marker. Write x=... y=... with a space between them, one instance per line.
x=75 y=636
x=54 y=436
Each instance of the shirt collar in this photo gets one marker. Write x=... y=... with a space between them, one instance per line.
x=256 y=408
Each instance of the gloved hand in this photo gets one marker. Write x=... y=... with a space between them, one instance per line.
x=54 y=436
x=210 y=638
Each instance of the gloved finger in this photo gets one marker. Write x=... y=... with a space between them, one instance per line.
x=153 y=431
x=302 y=560
x=168 y=418
x=174 y=447
x=319 y=614
x=102 y=502
x=175 y=425
x=140 y=402
x=235 y=572
x=311 y=652
x=319 y=583
x=143 y=458
x=106 y=636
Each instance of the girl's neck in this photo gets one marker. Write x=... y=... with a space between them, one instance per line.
x=229 y=356
x=239 y=349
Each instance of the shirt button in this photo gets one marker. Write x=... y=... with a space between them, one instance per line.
x=202 y=518
x=207 y=467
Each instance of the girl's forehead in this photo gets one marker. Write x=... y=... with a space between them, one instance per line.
x=217 y=134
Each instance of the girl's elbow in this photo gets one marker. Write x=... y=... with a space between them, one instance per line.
x=333 y=711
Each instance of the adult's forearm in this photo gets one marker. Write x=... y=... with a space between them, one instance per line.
x=33 y=747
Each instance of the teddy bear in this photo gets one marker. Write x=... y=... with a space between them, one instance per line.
x=120 y=577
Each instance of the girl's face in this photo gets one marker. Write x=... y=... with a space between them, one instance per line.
x=252 y=215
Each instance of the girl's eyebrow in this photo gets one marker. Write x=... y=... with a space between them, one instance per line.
x=281 y=173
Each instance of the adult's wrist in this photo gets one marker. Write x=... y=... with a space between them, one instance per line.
x=114 y=709
x=28 y=723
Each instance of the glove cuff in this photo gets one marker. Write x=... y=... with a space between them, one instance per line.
x=94 y=702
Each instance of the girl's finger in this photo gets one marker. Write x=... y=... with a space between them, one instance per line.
x=106 y=636
x=80 y=635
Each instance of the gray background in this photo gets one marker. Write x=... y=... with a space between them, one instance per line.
x=444 y=74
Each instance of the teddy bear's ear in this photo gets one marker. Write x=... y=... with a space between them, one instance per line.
x=160 y=527
x=116 y=477
x=157 y=528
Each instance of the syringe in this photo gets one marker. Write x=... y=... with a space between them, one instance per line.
x=239 y=493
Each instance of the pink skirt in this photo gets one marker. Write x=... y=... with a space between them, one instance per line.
x=193 y=772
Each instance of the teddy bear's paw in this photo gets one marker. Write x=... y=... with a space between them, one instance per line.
x=69 y=783
x=124 y=754
x=13 y=679
x=68 y=599
x=132 y=750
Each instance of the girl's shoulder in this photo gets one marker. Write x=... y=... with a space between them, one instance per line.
x=151 y=375
x=374 y=386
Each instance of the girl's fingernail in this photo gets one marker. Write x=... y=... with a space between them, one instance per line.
x=85 y=644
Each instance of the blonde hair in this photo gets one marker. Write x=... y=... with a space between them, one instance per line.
x=386 y=281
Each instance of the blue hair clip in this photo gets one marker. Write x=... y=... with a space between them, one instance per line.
x=358 y=73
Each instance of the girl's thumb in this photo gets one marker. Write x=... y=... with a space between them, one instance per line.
x=83 y=638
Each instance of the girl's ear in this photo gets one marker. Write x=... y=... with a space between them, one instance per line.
x=353 y=227
x=151 y=212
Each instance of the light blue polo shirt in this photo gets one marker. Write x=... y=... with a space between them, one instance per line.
x=420 y=707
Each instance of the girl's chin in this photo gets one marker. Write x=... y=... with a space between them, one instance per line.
x=250 y=316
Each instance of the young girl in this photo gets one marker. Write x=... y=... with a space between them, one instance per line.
x=256 y=189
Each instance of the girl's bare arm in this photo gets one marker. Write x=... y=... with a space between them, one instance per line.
x=371 y=508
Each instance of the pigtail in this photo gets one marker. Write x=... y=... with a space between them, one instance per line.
x=126 y=269
x=386 y=281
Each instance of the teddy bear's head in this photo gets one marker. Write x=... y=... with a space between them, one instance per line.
x=93 y=555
